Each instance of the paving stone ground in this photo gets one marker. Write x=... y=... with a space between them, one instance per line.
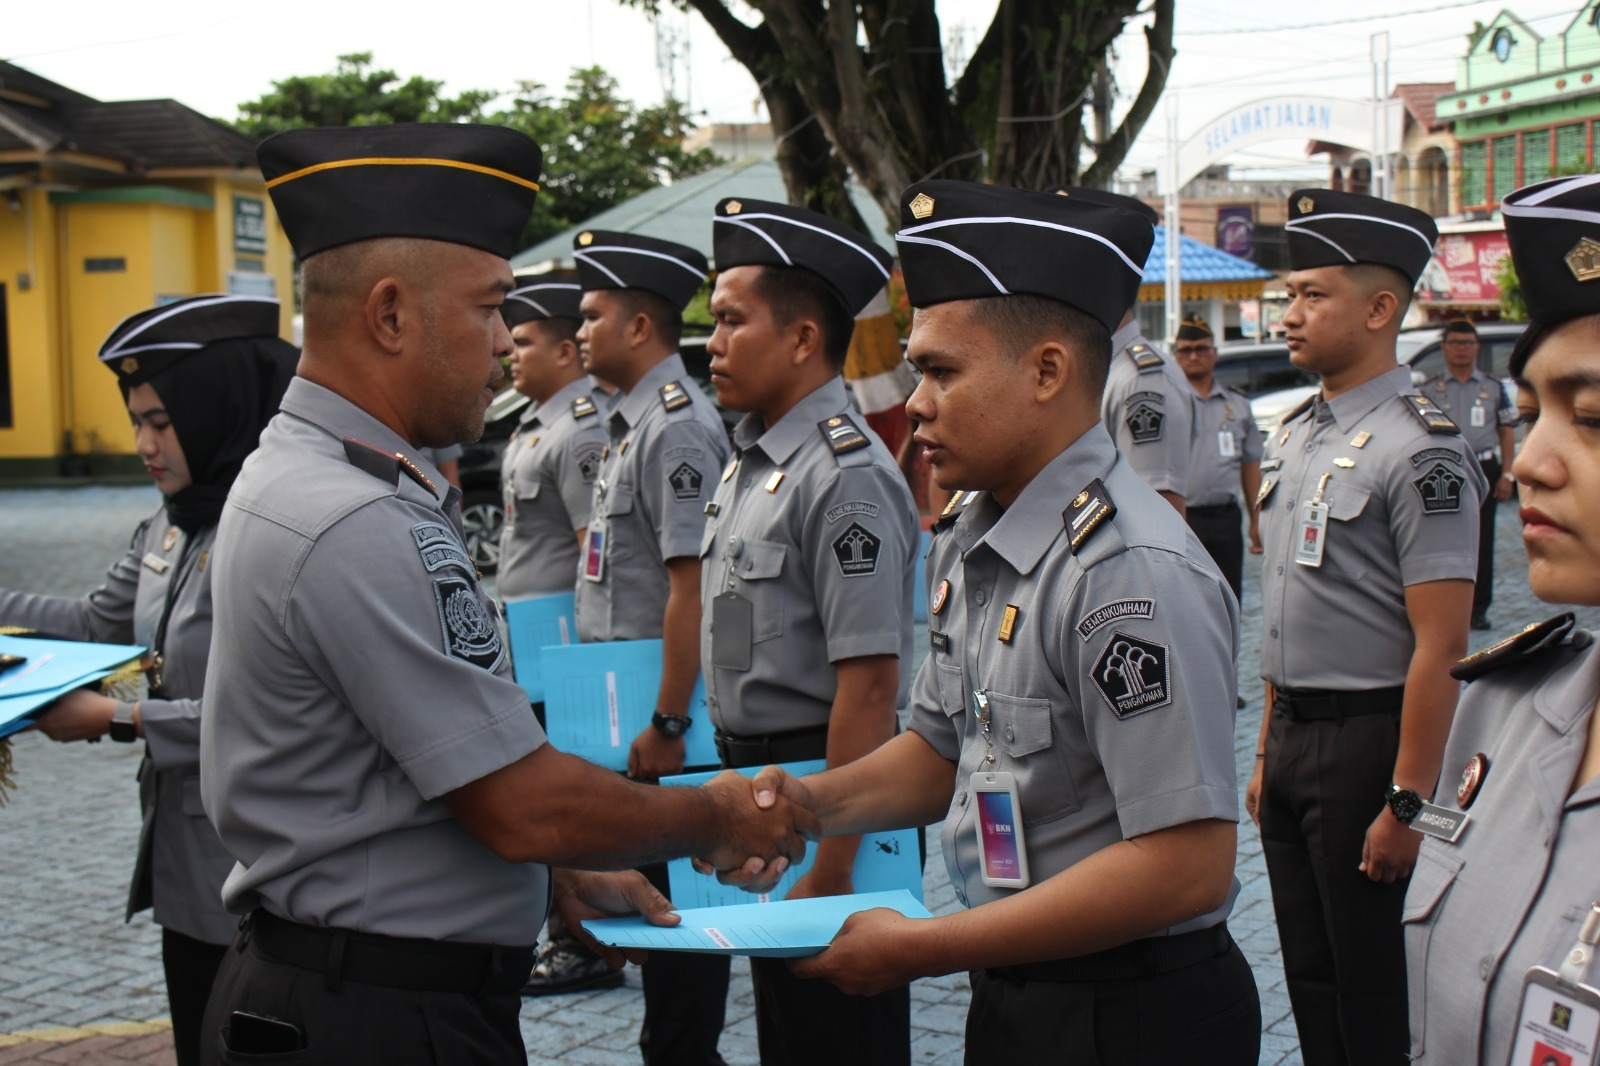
x=77 y=985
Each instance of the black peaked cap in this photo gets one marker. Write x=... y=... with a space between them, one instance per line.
x=1194 y=328
x=762 y=233
x=144 y=344
x=1554 y=231
x=961 y=240
x=465 y=184
x=610 y=260
x=1328 y=228
x=1110 y=199
x=533 y=299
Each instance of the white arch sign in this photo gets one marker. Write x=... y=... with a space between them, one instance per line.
x=1275 y=118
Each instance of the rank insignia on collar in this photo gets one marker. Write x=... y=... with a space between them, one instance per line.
x=1472 y=776
x=1343 y=463
x=952 y=510
x=1082 y=519
x=1531 y=639
x=775 y=480
x=605 y=452
x=583 y=407
x=169 y=540
x=1008 y=623
x=842 y=435
x=1427 y=412
x=673 y=396
x=727 y=471
x=1265 y=490
x=1584 y=260
x=533 y=440
x=950 y=505
x=1360 y=439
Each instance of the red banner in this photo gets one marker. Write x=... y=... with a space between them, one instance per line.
x=1464 y=267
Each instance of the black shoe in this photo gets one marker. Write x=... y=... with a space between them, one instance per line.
x=567 y=967
x=1480 y=620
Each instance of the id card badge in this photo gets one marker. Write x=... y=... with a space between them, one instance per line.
x=1558 y=1024
x=732 y=631
x=1480 y=416
x=1313 y=535
x=1226 y=444
x=594 y=553
x=1001 y=848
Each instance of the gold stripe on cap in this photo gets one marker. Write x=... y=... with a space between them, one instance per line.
x=402 y=162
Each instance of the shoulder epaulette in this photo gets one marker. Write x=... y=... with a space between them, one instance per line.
x=674 y=396
x=1531 y=640
x=1088 y=512
x=1146 y=358
x=383 y=465
x=843 y=436
x=1427 y=412
x=583 y=407
x=953 y=509
x=1304 y=406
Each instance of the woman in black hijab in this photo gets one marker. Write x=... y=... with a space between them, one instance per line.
x=202 y=377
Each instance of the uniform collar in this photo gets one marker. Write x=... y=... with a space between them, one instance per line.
x=1569 y=694
x=1023 y=533
x=332 y=413
x=547 y=412
x=1351 y=407
x=1124 y=336
x=631 y=408
x=782 y=440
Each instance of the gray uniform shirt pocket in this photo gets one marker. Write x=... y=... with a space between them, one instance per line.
x=1343 y=557
x=1435 y=872
x=952 y=696
x=1024 y=734
x=617 y=505
x=525 y=482
x=758 y=565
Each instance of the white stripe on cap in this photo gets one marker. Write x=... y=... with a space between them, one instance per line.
x=1039 y=223
x=169 y=346
x=969 y=257
x=521 y=294
x=587 y=255
x=1306 y=220
x=121 y=348
x=1325 y=239
x=1529 y=208
x=535 y=304
x=759 y=232
x=852 y=245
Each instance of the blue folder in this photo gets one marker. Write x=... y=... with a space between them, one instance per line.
x=54 y=668
x=885 y=861
x=789 y=929
x=919 y=595
x=598 y=697
x=533 y=622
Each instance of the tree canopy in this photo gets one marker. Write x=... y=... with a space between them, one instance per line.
x=599 y=149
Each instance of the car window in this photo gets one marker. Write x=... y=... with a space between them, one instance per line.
x=1234 y=374
x=1497 y=357
x=1274 y=372
x=1430 y=364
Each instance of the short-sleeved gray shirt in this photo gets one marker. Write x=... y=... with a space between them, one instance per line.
x=1480 y=406
x=1216 y=460
x=1402 y=510
x=547 y=477
x=437 y=457
x=357 y=676
x=1112 y=701
x=659 y=471
x=1149 y=412
x=821 y=546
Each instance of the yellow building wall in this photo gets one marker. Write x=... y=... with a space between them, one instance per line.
x=34 y=316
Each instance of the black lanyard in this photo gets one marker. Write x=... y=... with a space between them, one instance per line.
x=174 y=587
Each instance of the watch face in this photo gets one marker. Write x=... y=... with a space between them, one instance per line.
x=671 y=726
x=1405 y=804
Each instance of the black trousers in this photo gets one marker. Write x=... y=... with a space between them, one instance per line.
x=685 y=1000
x=1343 y=953
x=191 y=968
x=1483 y=591
x=1207 y=1014
x=357 y=1024
x=1219 y=529
x=812 y=1023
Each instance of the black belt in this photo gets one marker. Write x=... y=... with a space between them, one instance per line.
x=796 y=745
x=1128 y=962
x=1322 y=705
x=392 y=962
x=1214 y=509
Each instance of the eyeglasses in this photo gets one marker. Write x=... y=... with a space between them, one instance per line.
x=1193 y=349
x=1467 y=342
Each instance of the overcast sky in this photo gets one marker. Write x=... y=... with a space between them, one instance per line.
x=213 y=54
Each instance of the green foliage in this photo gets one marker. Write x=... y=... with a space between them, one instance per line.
x=1513 y=308
x=356 y=95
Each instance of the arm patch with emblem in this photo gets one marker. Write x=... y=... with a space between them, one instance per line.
x=685 y=482
x=439 y=548
x=857 y=550
x=1440 y=489
x=1133 y=675
x=469 y=633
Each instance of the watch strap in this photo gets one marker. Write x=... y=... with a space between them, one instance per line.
x=122 y=729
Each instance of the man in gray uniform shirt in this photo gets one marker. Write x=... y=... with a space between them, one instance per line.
x=1487 y=417
x=548 y=471
x=1369 y=504
x=367 y=757
x=807 y=559
x=639 y=578
x=1226 y=459
x=1073 y=721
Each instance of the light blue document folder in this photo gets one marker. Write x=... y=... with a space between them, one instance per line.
x=532 y=623
x=789 y=929
x=919 y=594
x=54 y=668
x=884 y=862
x=598 y=697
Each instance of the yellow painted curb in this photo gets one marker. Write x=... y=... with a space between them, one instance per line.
x=61 y=1034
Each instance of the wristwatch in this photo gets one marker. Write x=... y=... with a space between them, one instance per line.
x=122 y=730
x=671 y=726
x=1404 y=804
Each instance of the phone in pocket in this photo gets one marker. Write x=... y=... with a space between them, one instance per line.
x=262 y=1034
x=1000 y=843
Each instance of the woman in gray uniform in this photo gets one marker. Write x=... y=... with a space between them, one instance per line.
x=201 y=377
x=1512 y=888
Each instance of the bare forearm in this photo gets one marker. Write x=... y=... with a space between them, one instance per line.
x=1508 y=447
x=861 y=721
x=680 y=646
x=1270 y=697
x=901 y=785
x=1250 y=481
x=1430 y=707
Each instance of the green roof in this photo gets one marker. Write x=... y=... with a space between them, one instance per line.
x=682 y=211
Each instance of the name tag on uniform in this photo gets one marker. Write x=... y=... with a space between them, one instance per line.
x=1480 y=416
x=594 y=554
x=1440 y=822
x=155 y=563
x=1226 y=444
x=1313 y=537
x=1558 y=1022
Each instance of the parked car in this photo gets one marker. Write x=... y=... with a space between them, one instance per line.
x=1254 y=369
